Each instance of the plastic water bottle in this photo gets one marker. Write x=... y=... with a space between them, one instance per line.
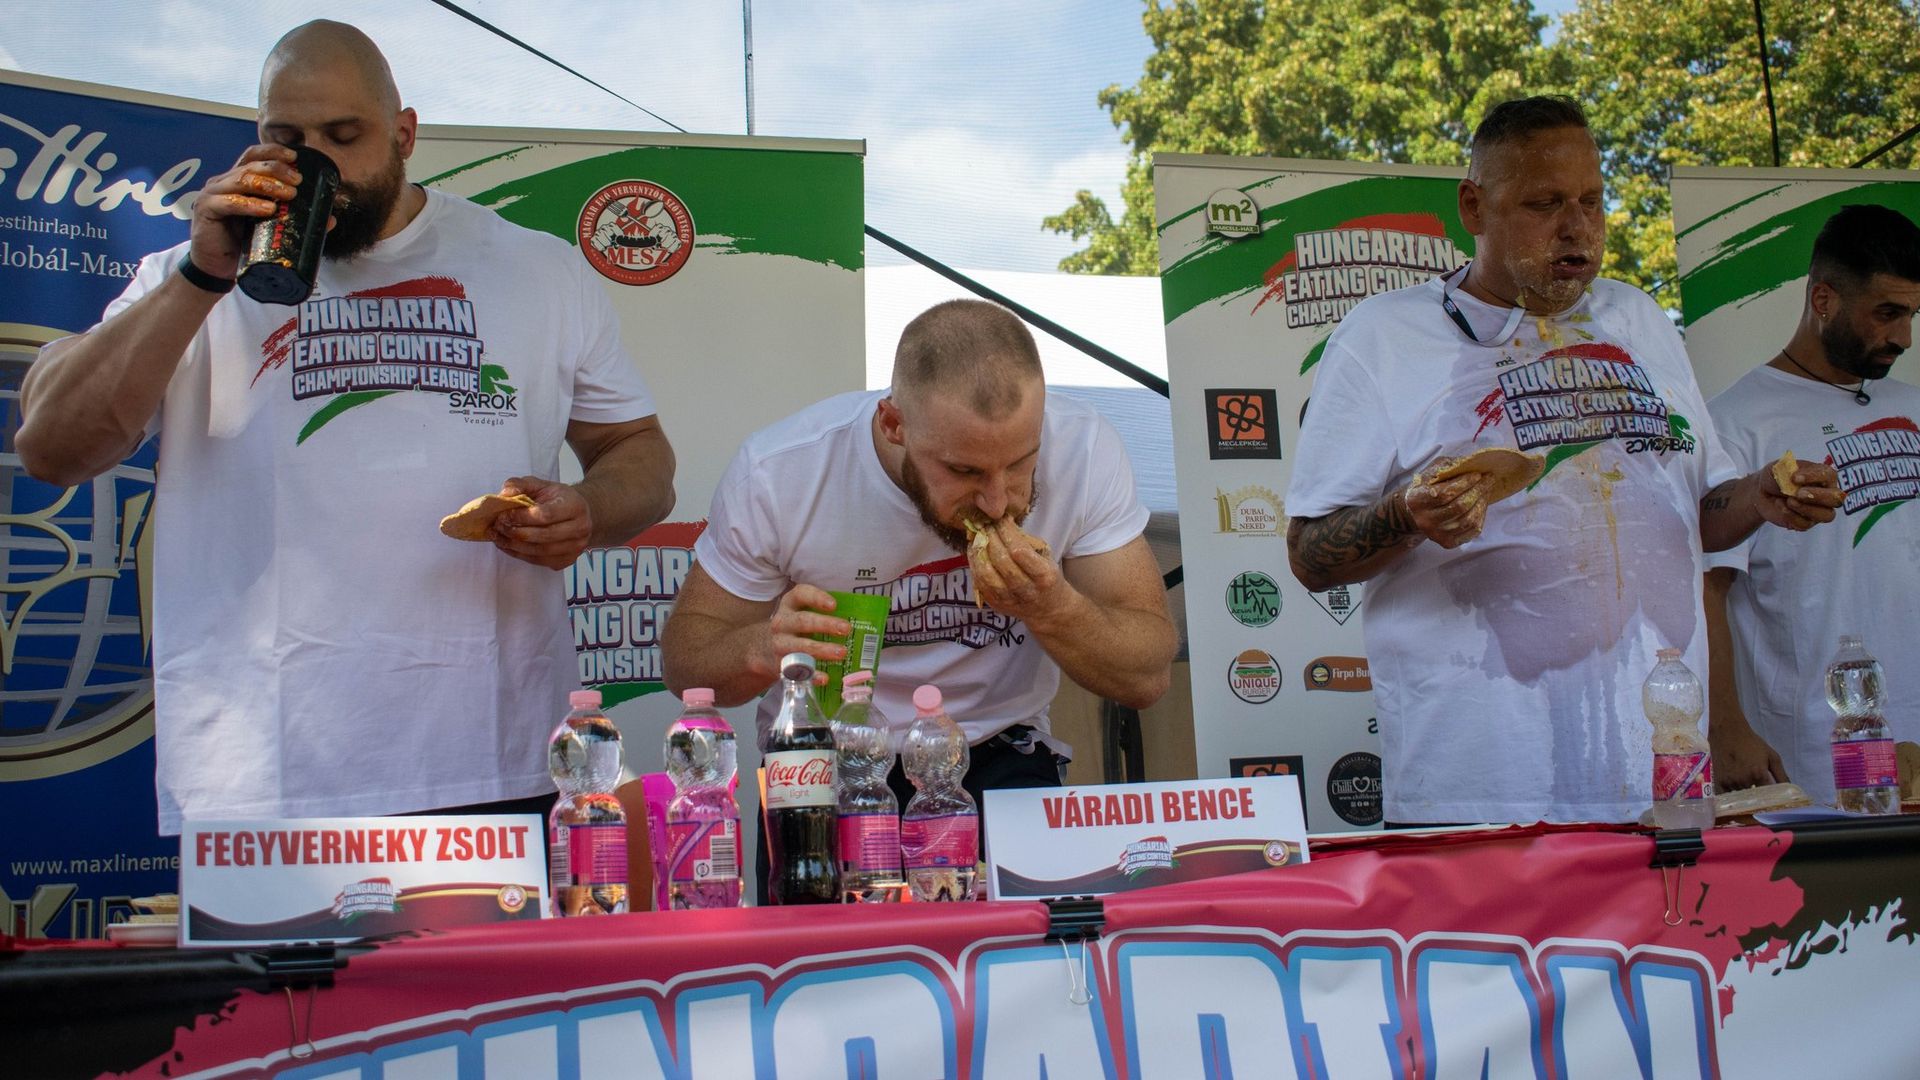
x=869 y=813
x=940 y=834
x=703 y=822
x=1865 y=776
x=587 y=831
x=1682 y=764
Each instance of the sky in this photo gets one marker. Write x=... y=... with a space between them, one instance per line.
x=980 y=116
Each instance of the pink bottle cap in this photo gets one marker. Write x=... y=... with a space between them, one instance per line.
x=584 y=699
x=857 y=678
x=927 y=698
x=697 y=697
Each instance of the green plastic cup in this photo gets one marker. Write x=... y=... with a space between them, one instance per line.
x=866 y=613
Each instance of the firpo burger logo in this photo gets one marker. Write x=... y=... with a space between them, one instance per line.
x=1254 y=677
x=1345 y=673
x=1253 y=599
x=636 y=232
x=1353 y=788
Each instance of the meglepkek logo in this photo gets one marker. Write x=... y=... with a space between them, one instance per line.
x=1240 y=425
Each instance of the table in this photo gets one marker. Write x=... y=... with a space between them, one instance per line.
x=1542 y=951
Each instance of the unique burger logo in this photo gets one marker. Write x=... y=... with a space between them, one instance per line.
x=636 y=232
x=1343 y=673
x=1254 y=677
x=1251 y=511
x=1253 y=598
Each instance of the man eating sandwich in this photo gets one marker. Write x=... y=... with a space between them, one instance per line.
x=1001 y=520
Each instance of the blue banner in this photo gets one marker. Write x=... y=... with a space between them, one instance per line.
x=88 y=185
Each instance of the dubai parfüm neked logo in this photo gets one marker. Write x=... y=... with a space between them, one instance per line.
x=636 y=232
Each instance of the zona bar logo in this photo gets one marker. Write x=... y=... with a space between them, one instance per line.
x=1240 y=425
x=1254 y=677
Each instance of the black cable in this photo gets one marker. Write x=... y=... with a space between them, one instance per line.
x=1113 y=360
x=490 y=28
x=1766 y=80
x=1897 y=140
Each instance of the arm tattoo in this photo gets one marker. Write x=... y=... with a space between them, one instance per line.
x=1719 y=498
x=1330 y=546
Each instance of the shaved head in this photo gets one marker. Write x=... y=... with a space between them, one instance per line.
x=338 y=47
x=970 y=351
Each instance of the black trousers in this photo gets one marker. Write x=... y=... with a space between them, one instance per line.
x=1011 y=759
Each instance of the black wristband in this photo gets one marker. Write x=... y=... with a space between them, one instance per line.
x=200 y=279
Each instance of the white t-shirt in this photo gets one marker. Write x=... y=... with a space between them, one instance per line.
x=806 y=501
x=320 y=649
x=1507 y=671
x=1797 y=592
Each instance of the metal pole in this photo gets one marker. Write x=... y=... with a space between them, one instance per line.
x=1766 y=79
x=746 y=36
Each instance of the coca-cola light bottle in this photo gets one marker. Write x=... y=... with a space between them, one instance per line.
x=703 y=822
x=1682 y=764
x=1866 y=779
x=587 y=830
x=799 y=810
x=940 y=833
x=869 y=813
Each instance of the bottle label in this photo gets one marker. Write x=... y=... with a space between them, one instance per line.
x=1682 y=776
x=704 y=851
x=596 y=855
x=869 y=843
x=797 y=778
x=950 y=841
x=1864 y=763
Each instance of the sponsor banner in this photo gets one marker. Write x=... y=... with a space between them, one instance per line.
x=91 y=180
x=1541 y=952
x=1744 y=237
x=340 y=879
x=1093 y=841
x=1248 y=312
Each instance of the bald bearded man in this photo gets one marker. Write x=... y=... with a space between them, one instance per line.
x=319 y=648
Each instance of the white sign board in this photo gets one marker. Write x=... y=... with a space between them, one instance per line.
x=1090 y=841
x=266 y=882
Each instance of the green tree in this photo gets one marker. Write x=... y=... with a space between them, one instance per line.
x=1677 y=82
x=1372 y=80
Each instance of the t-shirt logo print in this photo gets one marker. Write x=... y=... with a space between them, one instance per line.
x=421 y=334
x=933 y=602
x=1879 y=467
x=1574 y=398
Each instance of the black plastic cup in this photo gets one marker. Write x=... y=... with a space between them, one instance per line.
x=283 y=260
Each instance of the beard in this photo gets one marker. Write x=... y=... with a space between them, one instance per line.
x=361 y=210
x=1848 y=351
x=955 y=537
